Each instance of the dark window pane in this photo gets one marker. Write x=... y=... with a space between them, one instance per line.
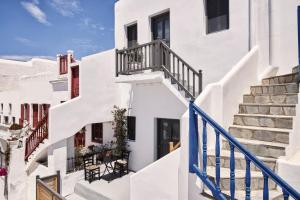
x=131 y=127
x=97 y=132
x=132 y=35
x=217 y=12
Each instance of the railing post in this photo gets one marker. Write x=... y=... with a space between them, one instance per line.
x=218 y=160
x=266 y=186
x=248 y=180
x=193 y=138
x=204 y=146
x=200 y=81
x=232 y=173
x=117 y=63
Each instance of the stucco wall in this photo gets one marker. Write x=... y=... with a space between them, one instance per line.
x=26 y=82
x=148 y=102
x=213 y=53
x=98 y=94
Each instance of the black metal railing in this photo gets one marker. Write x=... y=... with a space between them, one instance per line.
x=156 y=56
x=75 y=164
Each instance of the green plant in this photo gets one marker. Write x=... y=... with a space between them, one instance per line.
x=15 y=127
x=120 y=129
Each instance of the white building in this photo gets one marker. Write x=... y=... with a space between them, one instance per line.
x=221 y=46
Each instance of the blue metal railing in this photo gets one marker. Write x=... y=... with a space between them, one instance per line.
x=194 y=112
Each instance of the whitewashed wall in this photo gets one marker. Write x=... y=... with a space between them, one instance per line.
x=148 y=102
x=98 y=94
x=30 y=83
x=284 y=44
x=214 y=53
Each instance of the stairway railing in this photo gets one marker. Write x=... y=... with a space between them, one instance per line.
x=157 y=56
x=36 y=137
x=194 y=150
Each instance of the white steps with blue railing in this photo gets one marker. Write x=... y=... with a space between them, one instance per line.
x=262 y=125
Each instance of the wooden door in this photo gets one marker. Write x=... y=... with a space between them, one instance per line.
x=35 y=115
x=75 y=82
x=79 y=140
x=22 y=115
x=27 y=113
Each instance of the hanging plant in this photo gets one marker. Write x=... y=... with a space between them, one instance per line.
x=3 y=172
x=120 y=129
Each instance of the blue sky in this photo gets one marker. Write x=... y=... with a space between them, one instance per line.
x=44 y=28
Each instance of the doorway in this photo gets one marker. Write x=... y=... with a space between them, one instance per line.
x=160 y=26
x=75 y=82
x=168 y=130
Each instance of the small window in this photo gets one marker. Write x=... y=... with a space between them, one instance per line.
x=13 y=120
x=1 y=107
x=10 y=108
x=217 y=13
x=131 y=128
x=132 y=35
x=97 y=132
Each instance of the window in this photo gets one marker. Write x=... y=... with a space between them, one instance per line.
x=13 y=120
x=97 y=132
x=10 y=108
x=1 y=107
x=131 y=127
x=217 y=13
x=132 y=35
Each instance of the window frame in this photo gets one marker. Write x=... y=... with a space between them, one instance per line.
x=207 y=18
x=129 y=118
x=99 y=141
x=128 y=27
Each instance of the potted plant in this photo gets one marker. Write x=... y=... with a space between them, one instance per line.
x=15 y=129
x=120 y=129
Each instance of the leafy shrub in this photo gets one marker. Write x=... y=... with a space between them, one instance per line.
x=15 y=127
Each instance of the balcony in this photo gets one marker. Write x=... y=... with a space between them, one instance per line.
x=157 y=56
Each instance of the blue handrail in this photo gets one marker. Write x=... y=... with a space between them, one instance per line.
x=194 y=111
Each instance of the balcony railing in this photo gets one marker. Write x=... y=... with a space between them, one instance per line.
x=157 y=56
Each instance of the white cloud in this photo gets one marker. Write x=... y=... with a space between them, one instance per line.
x=67 y=8
x=35 y=12
x=88 y=23
x=85 y=45
x=25 y=57
x=24 y=41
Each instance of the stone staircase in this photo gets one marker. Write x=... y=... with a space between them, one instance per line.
x=262 y=125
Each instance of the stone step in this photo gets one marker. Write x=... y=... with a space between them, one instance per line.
x=295 y=69
x=255 y=194
x=257 y=180
x=260 y=133
x=260 y=148
x=240 y=162
x=287 y=98
x=287 y=78
x=275 y=89
x=268 y=109
x=258 y=120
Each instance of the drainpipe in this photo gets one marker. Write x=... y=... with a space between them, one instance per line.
x=270 y=26
x=249 y=18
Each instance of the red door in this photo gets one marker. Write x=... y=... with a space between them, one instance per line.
x=27 y=113
x=75 y=82
x=22 y=115
x=79 y=140
x=35 y=115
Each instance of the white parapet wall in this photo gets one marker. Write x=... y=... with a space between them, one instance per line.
x=157 y=181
